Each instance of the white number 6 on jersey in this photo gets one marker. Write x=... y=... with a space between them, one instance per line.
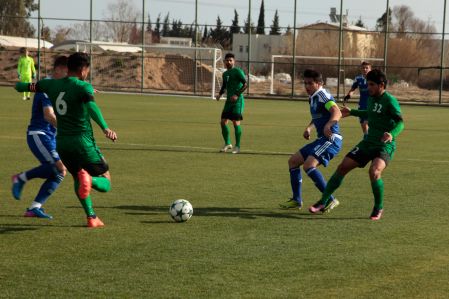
x=61 y=105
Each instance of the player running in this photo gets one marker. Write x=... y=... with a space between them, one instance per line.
x=234 y=82
x=361 y=83
x=385 y=122
x=41 y=139
x=325 y=116
x=73 y=101
x=25 y=70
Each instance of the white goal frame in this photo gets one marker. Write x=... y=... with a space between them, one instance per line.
x=273 y=57
x=214 y=54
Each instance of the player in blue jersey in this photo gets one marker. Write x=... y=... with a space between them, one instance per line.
x=325 y=116
x=41 y=139
x=361 y=83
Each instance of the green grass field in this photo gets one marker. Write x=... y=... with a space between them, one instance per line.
x=238 y=244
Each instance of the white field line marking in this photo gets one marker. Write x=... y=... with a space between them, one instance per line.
x=217 y=149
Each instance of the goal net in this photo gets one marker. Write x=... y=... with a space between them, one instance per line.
x=282 y=68
x=169 y=69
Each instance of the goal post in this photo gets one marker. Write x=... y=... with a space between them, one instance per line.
x=160 y=67
x=291 y=57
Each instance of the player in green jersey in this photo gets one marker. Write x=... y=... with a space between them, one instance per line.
x=26 y=70
x=74 y=105
x=378 y=146
x=234 y=82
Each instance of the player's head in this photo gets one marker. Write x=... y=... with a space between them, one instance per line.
x=23 y=51
x=377 y=82
x=60 y=67
x=229 y=60
x=365 y=67
x=78 y=65
x=313 y=80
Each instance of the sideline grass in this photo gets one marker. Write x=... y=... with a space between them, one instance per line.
x=238 y=244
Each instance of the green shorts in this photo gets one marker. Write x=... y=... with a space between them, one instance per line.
x=233 y=107
x=81 y=151
x=366 y=151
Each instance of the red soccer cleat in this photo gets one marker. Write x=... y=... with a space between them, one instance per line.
x=85 y=184
x=94 y=222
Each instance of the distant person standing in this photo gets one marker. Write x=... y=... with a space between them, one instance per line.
x=25 y=70
x=234 y=82
x=361 y=83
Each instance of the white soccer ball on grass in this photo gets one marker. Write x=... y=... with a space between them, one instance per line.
x=181 y=210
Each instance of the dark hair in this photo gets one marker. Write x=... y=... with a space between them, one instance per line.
x=23 y=50
x=60 y=61
x=77 y=61
x=377 y=76
x=229 y=55
x=316 y=76
x=365 y=63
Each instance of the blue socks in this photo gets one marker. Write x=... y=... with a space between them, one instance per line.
x=296 y=182
x=47 y=188
x=318 y=179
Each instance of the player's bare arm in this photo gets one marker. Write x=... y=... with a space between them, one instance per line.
x=335 y=117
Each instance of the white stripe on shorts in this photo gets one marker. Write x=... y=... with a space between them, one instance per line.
x=42 y=149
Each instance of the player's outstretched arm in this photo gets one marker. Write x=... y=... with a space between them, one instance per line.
x=95 y=113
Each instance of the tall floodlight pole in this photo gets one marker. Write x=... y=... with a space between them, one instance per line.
x=340 y=49
x=387 y=28
x=294 y=50
x=142 y=67
x=442 y=53
x=90 y=40
x=195 y=78
x=39 y=29
x=249 y=42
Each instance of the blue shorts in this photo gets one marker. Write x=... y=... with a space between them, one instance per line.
x=323 y=149
x=43 y=146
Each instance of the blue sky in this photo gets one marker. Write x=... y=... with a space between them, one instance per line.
x=309 y=11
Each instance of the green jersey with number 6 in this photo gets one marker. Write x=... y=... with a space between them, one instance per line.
x=384 y=113
x=67 y=96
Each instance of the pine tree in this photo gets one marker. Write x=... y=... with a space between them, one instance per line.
x=381 y=23
x=261 y=20
x=246 y=27
x=275 y=30
x=235 y=28
x=205 y=34
x=157 y=30
x=149 y=25
x=14 y=17
x=166 y=25
x=360 y=22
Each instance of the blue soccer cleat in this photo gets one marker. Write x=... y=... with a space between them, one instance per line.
x=17 y=186
x=39 y=213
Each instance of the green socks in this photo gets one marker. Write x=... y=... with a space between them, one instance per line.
x=101 y=184
x=332 y=185
x=238 y=135
x=378 y=191
x=225 y=133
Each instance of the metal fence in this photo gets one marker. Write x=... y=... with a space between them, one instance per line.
x=412 y=50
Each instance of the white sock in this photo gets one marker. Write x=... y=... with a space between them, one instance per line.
x=35 y=204
x=23 y=177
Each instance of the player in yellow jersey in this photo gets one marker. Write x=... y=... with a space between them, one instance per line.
x=25 y=70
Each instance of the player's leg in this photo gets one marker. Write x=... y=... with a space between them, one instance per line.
x=43 y=148
x=47 y=188
x=375 y=173
x=225 y=132
x=294 y=165
x=238 y=133
x=323 y=151
x=26 y=79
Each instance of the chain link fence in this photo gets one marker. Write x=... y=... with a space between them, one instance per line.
x=412 y=51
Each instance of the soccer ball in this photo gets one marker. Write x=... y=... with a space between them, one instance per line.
x=181 y=210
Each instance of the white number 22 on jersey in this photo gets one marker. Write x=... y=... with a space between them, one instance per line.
x=61 y=105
